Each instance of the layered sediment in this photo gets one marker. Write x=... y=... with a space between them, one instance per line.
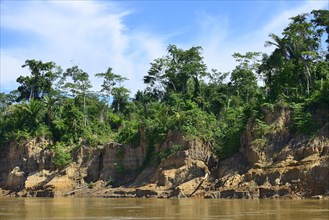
x=286 y=166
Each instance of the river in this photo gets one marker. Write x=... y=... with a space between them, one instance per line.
x=77 y=208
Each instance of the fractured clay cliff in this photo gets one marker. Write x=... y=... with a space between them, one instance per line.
x=288 y=165
x=277 y=164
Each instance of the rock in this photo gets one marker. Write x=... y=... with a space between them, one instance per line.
x=114 y=161
x=233 y=181
x=45 y=193
x=283 y=192
x=232 y=194
x=36 y=178
x=242 y=195
x=227 y=194
x=320 y=174
x=291 y=175
x=166 y=178
x=174 y=177
x=140 y=193
x=189 y=187
x=61 y=184
x=235 y=164
x=15 y=180
x=266 y=193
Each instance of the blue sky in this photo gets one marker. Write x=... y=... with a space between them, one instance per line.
x=128 y=35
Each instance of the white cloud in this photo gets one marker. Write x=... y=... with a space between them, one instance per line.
x=90 y=34
x=219 y=44
x=94 y=35
x=281 y=21
x=11 y=65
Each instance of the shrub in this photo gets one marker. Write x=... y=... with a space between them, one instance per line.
x=128 y=133
x=164 y=153
x=62 y=155
x=90 y=185
x=302 y=120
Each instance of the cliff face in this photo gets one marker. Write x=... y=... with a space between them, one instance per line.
x=274 y=164
x=27 y=167
x=20 y=161
x=286 y=165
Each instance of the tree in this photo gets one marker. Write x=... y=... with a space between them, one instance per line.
x=321 y=21
x=214 y=94
x=39 y=83
x=7 y=99
x=120 y=99
x=302 y=45
x=110 y=80
x=243 y=78
x=80 y=86
x=296 y=54
x=172 y=72
x=293 y=66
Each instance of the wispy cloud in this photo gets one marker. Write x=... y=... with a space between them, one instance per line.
x=95 y=35
x=219 y=43
x=277 y=24
x=90 y=34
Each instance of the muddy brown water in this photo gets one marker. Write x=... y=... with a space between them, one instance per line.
x=95 y=208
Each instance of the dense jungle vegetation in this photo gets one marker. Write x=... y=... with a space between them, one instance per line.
x=180 y=95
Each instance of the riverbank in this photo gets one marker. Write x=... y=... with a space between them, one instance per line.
x=288 y=166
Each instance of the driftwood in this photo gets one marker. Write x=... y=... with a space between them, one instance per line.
x=196 y=189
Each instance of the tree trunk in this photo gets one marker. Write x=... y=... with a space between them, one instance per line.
x=308 y=78
x=84 y=110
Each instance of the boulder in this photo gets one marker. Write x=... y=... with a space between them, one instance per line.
x=15 y=180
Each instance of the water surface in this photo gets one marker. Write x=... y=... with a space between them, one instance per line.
x=94 y=208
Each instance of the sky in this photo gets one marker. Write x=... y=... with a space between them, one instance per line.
x=128 y=35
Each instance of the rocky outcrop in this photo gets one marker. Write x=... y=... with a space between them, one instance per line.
x=29 y=166
x=19 y=161
x=16 y=179
x=29 y=170
x=185 y=165
x=285 y=166
x=276 y=164
x=113 y=162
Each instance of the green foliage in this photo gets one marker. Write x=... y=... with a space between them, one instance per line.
x=259 y=143
x=293 y=66
x=39 y=83
x=268 y=106
x=110 y=181
x=173 y=72
x=321 y=95
x=19 y=136
x=120 y=152
x=128 y=133
x=232 y=125
x=120 y=99
x=164 y=153
x=115 y=121
x=176 y=148
x=120 y=168
x=261 y=129
x=90 y=185
x=62 y=155
x=43 y=131
x=119 y=93
x=302 y=120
